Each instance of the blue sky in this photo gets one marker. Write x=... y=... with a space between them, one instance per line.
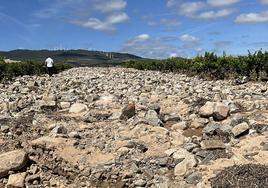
x=149 y=28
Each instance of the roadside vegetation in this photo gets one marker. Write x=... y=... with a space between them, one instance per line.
x=11 y=70
x=209 y=65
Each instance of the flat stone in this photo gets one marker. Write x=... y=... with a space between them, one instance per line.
x=171 y=151
x=172 y=117
x=183 y=167
x=74 y=134
x=194 y=178
x=240 y=128
x=160 y=130
x=78 y=108
x=181 y=154
x=212 y=144
x=12 y=161
x=179 y=126
x=65 y=105
x=16 y=180
x=140 y=183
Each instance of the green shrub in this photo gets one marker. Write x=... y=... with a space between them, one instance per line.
x=218 y=67
x=10 y=70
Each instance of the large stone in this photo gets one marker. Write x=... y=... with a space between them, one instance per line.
x=78 y=108
x=198 y=123
x=240 y=129
x=44 y=104
x=181 y=154
x=207 y=110
x=16 y=180
x=65 y=105
x=183 y=167
x=194 y=178
x=156 y=107
x=221 y=111
x=212 y=144
x=128 y=111
x=179 y=126
x=12 y=161
x=151 y=117
x=48 y=101
x=172 y=117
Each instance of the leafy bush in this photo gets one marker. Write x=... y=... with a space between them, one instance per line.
x=217 y=67
x=10 y=70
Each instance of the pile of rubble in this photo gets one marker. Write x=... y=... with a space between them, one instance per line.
x=116 y=127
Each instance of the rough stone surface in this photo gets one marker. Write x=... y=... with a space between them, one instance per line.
x=180 y=126
x=65 y=105
x=240 y=129
x=183 y=167
x=128 y=111
x=221 y=111
x=78 y=108
x=194 y=178
x=212 y=144
x=11 y=161
x=16 y=180
x=151 y=117
x=207 y=110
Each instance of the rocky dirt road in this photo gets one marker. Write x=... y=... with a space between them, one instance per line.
x=115 y=127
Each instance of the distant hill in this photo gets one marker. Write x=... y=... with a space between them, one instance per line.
x=74 y=57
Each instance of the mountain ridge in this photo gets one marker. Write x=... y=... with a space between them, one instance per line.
x=76 y=57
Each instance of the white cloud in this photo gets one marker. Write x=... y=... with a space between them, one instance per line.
x=107 y=25
x=152 y=47
x=189 y=38
x=117 y=18
x=142 y=37
x=112 y=10
x=219 y=3
x=214 y=14
x=203 y=9
x=168 y=23
x=252 y=18
x=264 y=1
x=111 y=5
x=94 y=23
x=188 y=9
x=137 y=39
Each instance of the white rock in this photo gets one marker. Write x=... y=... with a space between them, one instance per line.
x=207 y=110
x=239 y=129
x=65 y=105
x=78 y=108
x=13 y=160
x=16 y=180
x=183 y=167
x=181 y=154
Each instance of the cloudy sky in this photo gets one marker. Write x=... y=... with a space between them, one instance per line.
x=149 y=28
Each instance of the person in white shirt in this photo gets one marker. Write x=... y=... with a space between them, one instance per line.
x=49 y=63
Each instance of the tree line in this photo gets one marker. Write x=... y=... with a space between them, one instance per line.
x=254 y=65
x=10 y=70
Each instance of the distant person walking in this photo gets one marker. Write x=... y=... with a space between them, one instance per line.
x=49 y=63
